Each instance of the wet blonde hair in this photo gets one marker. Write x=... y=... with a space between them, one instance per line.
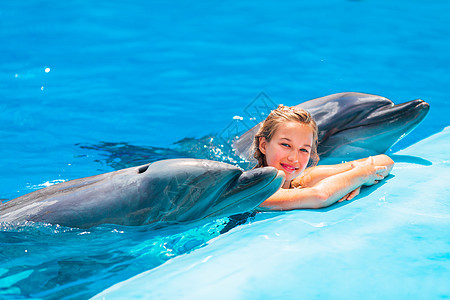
x=273 y=121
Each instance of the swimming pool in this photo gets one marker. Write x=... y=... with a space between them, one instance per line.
x=85 y=87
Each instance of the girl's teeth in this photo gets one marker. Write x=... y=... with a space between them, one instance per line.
x=289 y=168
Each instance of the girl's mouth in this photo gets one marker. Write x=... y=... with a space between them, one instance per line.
x=289 y=168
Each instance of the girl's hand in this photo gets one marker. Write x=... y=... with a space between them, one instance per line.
x=370 y=172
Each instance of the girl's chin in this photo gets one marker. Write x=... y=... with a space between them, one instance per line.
x=291 y=174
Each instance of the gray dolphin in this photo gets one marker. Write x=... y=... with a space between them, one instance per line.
x=175 y=190
x=353 y=125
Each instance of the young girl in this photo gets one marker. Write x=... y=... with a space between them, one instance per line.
x=287 y=141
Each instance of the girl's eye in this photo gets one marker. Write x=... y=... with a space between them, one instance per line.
x=304 y=150
x=285 y=145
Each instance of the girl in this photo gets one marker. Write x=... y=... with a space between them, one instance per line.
x=287 y=141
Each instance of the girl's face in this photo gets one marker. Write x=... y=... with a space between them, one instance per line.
x=289 y=149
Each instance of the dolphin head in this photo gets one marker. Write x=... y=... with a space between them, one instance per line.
x=354 y=125
x=179 y=190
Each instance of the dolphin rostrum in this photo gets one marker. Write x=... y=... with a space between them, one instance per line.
x=174 y=190
x=353 y=125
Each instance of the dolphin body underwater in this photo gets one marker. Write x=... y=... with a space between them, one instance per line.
x=171 y=191
x=352 y=125
x=182 y=190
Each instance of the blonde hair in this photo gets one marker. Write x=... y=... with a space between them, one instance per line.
x=273 y=121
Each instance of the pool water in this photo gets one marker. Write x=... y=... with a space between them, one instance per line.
x=87 y=88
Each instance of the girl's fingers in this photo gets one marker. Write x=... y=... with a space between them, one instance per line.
x=343 y=198
x=354 y=193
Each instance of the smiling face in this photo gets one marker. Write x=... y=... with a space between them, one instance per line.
x=289 y=149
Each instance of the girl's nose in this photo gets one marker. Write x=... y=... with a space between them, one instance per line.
x=293 y=156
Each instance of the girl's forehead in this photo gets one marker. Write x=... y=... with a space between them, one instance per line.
x=296 y=132
x=293 y=127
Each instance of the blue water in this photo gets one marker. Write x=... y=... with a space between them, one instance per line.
x=88 y=87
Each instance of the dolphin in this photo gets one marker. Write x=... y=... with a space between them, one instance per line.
x=172 y=191
x=352 y=125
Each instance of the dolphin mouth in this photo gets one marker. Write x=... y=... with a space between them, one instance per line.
x=249 y=190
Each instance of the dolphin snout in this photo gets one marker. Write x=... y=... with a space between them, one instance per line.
x=422 y=103
x=257 y=176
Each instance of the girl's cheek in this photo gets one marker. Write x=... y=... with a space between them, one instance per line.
x=305 y=160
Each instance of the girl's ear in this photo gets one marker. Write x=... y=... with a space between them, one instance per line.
x=262 y=145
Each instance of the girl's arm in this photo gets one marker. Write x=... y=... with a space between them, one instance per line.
x=313 y=175
x=328 y=190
